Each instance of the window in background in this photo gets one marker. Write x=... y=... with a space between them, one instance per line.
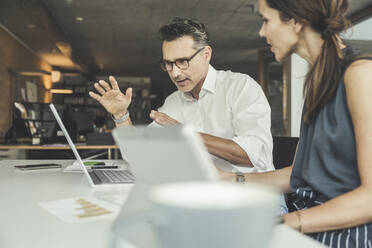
x=360 y=36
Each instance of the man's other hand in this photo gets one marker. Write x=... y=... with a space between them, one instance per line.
x=163 y=119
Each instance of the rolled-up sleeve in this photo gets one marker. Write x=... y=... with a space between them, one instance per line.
x=252 y=122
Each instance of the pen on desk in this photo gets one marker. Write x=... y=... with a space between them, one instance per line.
x=105 y=167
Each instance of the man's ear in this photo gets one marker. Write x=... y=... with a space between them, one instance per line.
x=208 y=53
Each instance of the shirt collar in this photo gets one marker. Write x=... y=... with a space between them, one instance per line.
x=209 y=84
x=210 y=80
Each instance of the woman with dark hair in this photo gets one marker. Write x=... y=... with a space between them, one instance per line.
x=330 y=179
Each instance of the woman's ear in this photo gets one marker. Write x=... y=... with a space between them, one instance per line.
x=297 y=26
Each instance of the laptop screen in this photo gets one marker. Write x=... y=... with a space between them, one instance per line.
x=72 y=145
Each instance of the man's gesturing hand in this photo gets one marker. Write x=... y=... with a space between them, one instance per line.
x=111 y=98
x=163 y=119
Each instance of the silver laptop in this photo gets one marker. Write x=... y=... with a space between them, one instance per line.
x=98 y=177
x=160 y=155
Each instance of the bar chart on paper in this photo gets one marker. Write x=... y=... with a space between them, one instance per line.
x=80 y=209
x=90 y=209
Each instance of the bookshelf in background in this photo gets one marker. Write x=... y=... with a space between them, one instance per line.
x=79 y=95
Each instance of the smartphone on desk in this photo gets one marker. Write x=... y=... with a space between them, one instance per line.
x=38 y=166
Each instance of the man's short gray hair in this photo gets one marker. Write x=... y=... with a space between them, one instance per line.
x=179 y=27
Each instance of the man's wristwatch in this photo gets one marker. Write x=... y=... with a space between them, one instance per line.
x=240 y=177
x=122 y=119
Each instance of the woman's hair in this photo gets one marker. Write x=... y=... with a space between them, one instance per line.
x=328 y=18
x=179 y=27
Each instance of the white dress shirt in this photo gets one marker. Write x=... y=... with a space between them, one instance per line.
x=230 y=106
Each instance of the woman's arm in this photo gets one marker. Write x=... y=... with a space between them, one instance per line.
x=353 y=208
x=279 y=179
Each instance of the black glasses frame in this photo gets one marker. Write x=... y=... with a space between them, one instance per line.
x=182 y=63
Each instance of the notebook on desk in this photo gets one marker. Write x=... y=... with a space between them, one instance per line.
x=95 y=177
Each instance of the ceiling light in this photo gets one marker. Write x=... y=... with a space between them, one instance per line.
x=33 y=72
x=56 y=76
x=31 y=26
x=61 y=91
x=79 y=19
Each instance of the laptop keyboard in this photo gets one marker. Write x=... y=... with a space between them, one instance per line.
x=114 y=176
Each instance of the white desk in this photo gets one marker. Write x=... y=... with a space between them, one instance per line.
x=23 y=223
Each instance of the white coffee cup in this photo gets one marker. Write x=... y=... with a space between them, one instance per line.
x=210 y=214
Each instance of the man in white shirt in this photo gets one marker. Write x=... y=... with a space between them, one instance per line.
x=229 y=109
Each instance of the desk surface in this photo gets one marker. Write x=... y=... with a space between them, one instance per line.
x=24 y=223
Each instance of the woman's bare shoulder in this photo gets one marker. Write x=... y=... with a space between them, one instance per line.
x=359 y=68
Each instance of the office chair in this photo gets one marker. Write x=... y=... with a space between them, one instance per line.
x=284 y=149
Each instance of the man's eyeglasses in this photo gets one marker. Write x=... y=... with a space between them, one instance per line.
x=182 y=63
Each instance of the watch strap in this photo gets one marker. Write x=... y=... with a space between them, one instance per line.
x=240 y=177
x=122 y=119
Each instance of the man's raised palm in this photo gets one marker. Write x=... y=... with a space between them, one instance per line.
x=111 y=98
